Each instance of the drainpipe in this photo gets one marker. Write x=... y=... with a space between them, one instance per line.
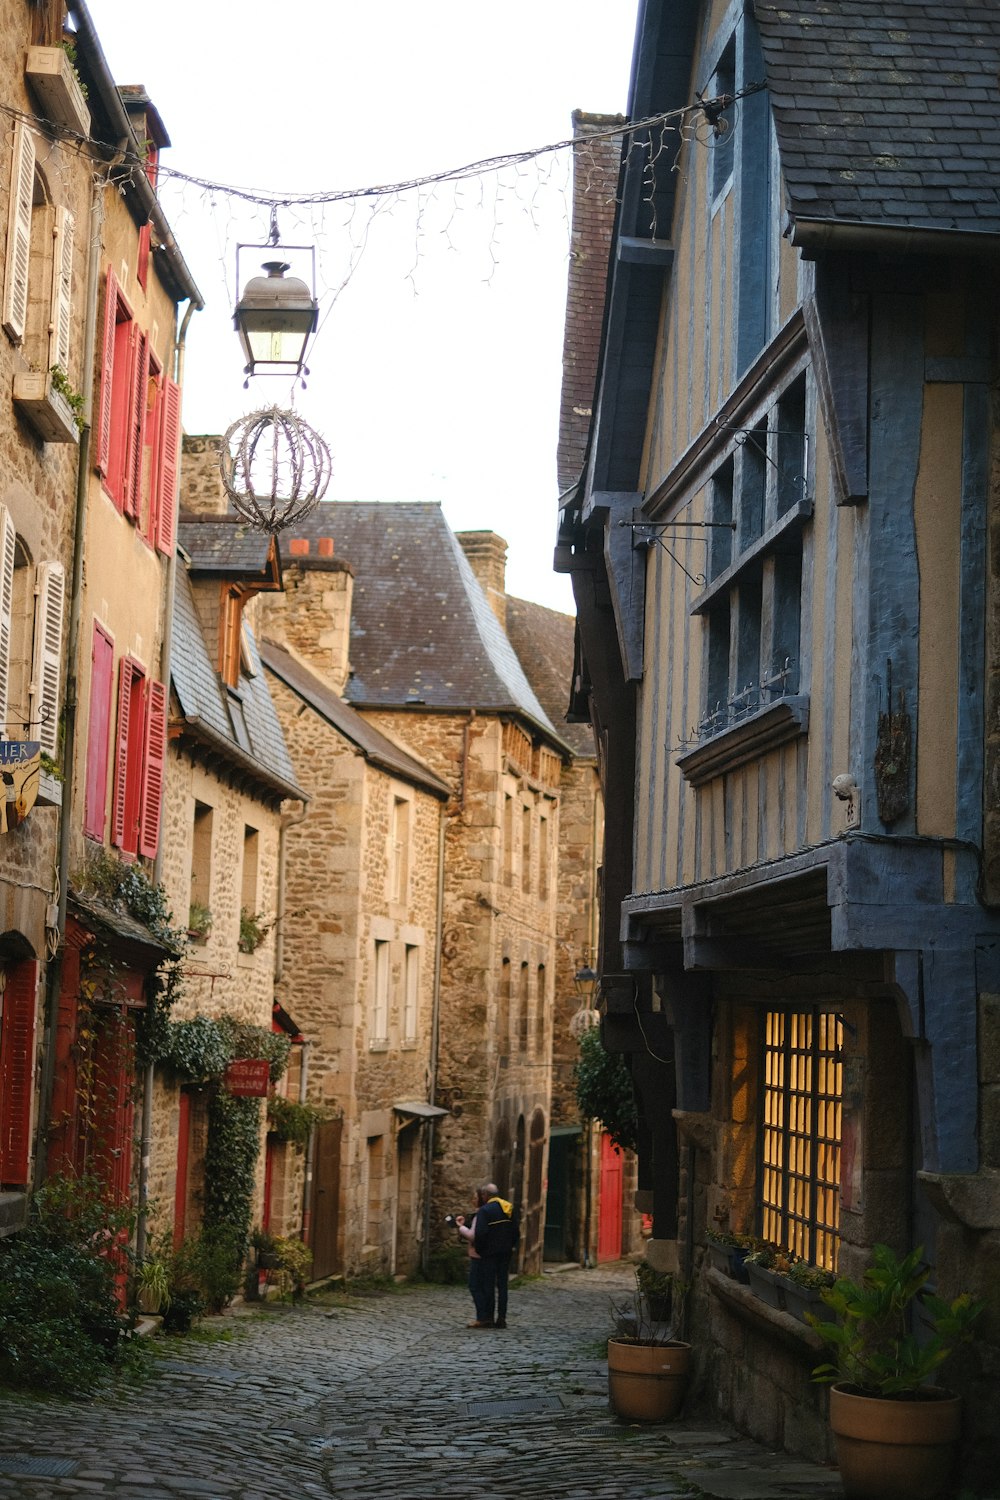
x=435 y=1029
x=307 y=1170
x=166 y=646
x=53 y=972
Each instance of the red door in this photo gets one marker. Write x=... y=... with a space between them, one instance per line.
x=609 y=1216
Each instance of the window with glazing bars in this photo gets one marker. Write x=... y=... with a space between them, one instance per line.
x=800 y=1141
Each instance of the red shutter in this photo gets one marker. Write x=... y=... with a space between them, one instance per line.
x=136 y=424
x=154 y=445
x=119 y=828
x=153 y=768
x=169 y=467
x=102 y=657
x=17 y=1071
x=142 y=257
x=107 y=373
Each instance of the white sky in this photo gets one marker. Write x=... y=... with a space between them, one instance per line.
x=436 y=371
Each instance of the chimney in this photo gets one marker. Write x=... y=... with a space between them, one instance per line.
x=487 y=555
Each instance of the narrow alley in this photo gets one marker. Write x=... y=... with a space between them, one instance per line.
x=388 y=1394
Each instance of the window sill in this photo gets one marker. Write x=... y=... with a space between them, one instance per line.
x=57 y=88
x=379 y=1046
x=49 y=413
x=50 y=793
x=772 y=541
x=246 y=960
x=785 y=719
x=781 y=1327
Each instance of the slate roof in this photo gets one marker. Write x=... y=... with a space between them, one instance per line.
x=544 y=639
x=422 y=631
x=243 y=726
x=374 y=746
x=225 y=545
x=886 y=110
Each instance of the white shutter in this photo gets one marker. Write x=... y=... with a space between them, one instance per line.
x=50 y=594
x=62 y=286
x=8 y=542
x=15 y=286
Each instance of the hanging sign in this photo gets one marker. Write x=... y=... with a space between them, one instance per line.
x=248 y=1077
x=20 y=768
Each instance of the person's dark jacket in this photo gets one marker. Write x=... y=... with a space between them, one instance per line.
x=497 y=1230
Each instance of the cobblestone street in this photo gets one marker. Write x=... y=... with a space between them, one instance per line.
x=387 y=1395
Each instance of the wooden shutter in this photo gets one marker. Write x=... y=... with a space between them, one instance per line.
x=17 y=1067
x=120 y=794
x=153 y=769
x=22 y=188
x=169 y=467
x=136 y=424
x=45 y=668
x=142 y=256
x=8 y=541
x=98 y=728
x=62 y=288
x=107 y=373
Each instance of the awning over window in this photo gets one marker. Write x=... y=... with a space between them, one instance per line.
x=418 y=1109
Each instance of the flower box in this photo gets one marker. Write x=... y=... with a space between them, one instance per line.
x=800 y=1300
x=48 y=411
x=57 y=89
x=767 y=1285
x=729 y=1259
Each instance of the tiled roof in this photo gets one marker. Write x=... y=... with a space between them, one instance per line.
x=244 y=724
x=543 y=640
x=224 y=545
x=422 y=631
x=886 y=110
x=375 y=746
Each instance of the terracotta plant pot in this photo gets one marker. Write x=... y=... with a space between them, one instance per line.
x=890 y=1449
x=647 y=1382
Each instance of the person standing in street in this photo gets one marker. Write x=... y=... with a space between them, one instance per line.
x=477 y=1288
x=496 y=1235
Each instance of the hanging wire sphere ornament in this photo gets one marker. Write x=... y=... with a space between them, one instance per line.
x=274 y=467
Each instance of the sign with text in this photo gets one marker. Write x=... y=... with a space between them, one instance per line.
x=248 y=1077
x=20 y=767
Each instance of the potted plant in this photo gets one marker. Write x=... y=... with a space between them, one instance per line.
x=199 y=922
x=765 y=1281
x=657 y=1290
x=895 y=1433
x=728 y=1251
x=152 y=1285
x=802 y=1287
x=265 y=1247
x=647 y=1366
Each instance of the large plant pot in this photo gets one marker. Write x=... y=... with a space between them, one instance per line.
x=647 y=1382
x=889 y=1449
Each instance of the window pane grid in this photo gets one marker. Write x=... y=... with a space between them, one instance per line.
x=800 y=1148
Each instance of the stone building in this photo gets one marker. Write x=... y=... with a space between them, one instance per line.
x=93 y=280
x=228 y=774
x=428 y=665
x=783 y=549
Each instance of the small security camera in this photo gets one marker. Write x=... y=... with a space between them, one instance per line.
x=845 y=787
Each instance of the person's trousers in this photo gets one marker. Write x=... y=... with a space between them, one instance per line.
x=496 y=1269
x=477 y=1287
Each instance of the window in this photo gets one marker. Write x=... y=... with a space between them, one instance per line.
x=17 y=1070
x=541 y=1010
x=543 y=857
x=38 y=276
x=523 y=1001
x=32 y=602
x=723 y=83
x=503 y=1009
x=379 y=1034
x=139 y=411
x=102 y=658
x=507 y=834
x=752 y=605
x=411 y=992
x=201 y=869
x=373 y=1189
x=399 y=851
x=799 y=1180
x=526 y=848
x=248 y=877
x=140 y=756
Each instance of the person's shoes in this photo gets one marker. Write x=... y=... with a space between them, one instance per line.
x=500 y=1323
x=479 y=1325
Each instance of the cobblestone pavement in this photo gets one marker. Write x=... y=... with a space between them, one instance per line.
x=388 y=1396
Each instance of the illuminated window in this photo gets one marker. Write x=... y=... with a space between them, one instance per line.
x=800 y=1146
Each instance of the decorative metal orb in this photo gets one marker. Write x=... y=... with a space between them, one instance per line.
x=583 y=1020
x=274 y=467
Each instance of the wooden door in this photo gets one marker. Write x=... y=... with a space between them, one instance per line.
x=326 y=1200
x=609 y=1218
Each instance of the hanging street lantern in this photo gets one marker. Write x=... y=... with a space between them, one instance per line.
x=586 y=1015
x=274 y=467
x=275 y=317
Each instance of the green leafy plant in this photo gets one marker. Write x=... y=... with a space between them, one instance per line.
x=70 y=52
x=650 y=1317
x=254 y=928
x=294 y=1265
x=604 y=1091
x=195 y=1050
x=151 y=1284
x=199 y=921
x=50 y=766
x=874 y=1352
x=763 y=1254
x=293 y=1122
x=729 y=1238
x=61 y=1328
x=811 y=1278
x=73 y=399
